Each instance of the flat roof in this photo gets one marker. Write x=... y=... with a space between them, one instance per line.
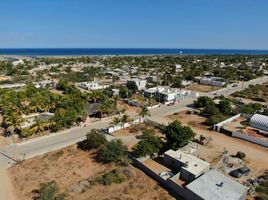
x=194 y=165
x=214 y=185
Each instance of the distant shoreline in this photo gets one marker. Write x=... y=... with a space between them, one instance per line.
x=95 y=52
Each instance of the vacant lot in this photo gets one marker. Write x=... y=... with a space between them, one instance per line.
x=202 y=88
x=70 y=166
x=254 y=92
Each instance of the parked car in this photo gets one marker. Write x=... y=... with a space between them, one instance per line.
x=237 y=173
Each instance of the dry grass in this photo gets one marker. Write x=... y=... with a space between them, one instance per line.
x=202 y=88
x=70 y=166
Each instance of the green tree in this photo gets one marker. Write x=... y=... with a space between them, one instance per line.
x=211 y=110
x=124 y=92
x=225 y=107
x=113 y=151
x=178 y=135
x=95 y=139
x=144 y=111
x=214 y=119
x=203 y=102
x=149 y=145
x=131 y=85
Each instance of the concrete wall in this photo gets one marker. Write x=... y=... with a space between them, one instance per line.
x=218 y=126
x=153 y=123
x=112 y=129
x=177 y=190
x=250 y=139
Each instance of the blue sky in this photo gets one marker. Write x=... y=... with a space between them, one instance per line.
x=223 y=24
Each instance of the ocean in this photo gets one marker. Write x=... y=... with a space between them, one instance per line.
x=125 y=51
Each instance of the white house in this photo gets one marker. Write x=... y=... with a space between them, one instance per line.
x=92 y=86
x=214 y=81
x=178 y=68
x=141 y=83
x=18 y=62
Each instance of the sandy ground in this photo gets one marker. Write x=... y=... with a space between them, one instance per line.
x=130 y=110
x=130 y=135
x=6 y=187
x=256 y=156
x=202 y=88
x=71 y=165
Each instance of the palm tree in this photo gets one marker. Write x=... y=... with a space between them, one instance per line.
x=40 y=126
x=144 y=111
x=13 y=120
x=116 y=121
x=125 y=119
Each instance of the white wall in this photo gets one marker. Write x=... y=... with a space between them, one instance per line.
x=250 y=139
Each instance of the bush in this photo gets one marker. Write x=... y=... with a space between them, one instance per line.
x=203 y=102
x=214 y=120
x=113 y=151
x=49 y=191
x=240 y=155
x=114 y=176
x=94 y=139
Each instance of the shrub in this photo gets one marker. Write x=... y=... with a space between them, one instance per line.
x=49 y=191
x=203 y=101
x=240 y=155
x=114 y=176
x=113 y=151
x=95 y=139
x=214 y=120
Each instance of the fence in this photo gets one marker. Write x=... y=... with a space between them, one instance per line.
x=120 y=126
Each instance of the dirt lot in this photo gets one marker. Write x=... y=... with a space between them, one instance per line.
x=136 y=130
x=256 y=156
x=202 y=88
x=70 y=166
x=254 y=92
x=130 y=110
x=130 y=136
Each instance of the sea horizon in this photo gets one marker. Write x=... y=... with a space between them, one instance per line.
x=125 y=51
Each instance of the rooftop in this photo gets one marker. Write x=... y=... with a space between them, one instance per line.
x=214 y=185
x=194 y=164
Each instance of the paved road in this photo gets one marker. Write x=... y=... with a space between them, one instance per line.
x=56 y=141
x=240 y=86
x=41 y=145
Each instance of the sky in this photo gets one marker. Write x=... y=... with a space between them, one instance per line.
x=210 y=24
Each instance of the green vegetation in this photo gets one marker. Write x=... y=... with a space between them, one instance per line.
x=49 y=191
x=178 y=135
x=95 y=139
x=215 y=112
x=149 y=144
x=240 y=155
x=113 y=176
x=113 y=151
x=143 y=112
x=262 y=189
x=254 y=92
x=67 y=109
